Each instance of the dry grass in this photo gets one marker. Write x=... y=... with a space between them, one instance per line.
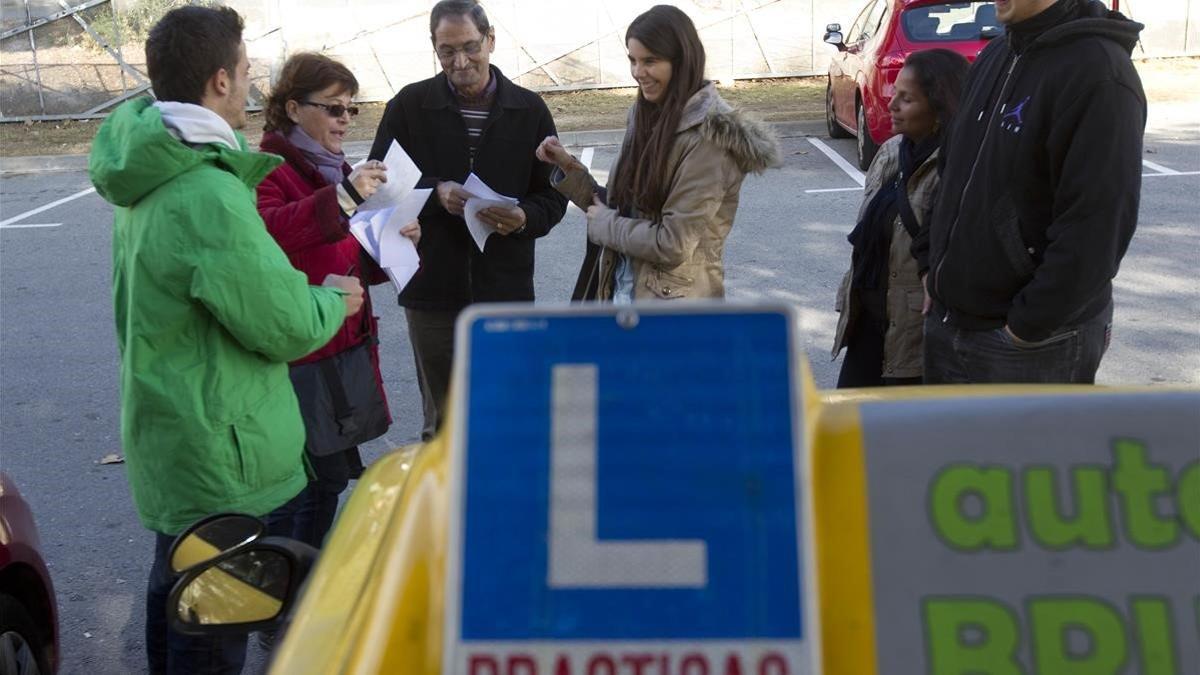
x=573 y=111
x=22 y=139
x=773 y=100
x=1165 y=80
x=1170 y=80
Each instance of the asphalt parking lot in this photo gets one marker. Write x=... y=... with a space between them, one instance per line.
x=58 y=358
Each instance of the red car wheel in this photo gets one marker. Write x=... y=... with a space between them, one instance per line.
x=866 y=145
x=835 y=129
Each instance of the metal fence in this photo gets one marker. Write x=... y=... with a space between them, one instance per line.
x=75 y=59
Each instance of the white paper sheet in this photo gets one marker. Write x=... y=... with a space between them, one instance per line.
x=395 y=249
x=482 y=197
x=400 y=276
x=366 y=227
x=379 y=233
x=402 y=176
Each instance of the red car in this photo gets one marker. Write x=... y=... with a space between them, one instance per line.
x=28 y=611
x=870 y=55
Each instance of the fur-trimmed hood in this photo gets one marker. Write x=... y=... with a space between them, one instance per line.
x=751 y=142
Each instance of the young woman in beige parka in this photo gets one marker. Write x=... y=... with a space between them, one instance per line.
x=659 y=229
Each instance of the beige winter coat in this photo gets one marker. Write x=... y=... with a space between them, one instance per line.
x=902 y=342
x=680 y=254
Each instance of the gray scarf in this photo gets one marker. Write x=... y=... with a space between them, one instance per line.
x=328 y=164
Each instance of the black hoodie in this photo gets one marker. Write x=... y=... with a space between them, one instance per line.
x=1041 y=175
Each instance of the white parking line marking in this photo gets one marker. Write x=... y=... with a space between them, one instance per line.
x=47 y=207
x=1173 y=173
x=1162 y=170
x=854 y=173
x=29 y=226
x=853 y=189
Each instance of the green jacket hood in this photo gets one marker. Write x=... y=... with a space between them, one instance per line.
x=133 y=154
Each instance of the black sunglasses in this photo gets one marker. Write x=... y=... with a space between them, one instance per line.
x=335 y=110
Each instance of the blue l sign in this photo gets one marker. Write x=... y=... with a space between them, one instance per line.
x=627 y=477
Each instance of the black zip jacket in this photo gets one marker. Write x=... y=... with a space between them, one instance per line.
x=424 y=118
x=1041 y=175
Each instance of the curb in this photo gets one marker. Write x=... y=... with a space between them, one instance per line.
x=358 y=149
x=611 y=137
x=42 y=164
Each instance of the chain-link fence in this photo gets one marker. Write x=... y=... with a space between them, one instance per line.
x=79 y=58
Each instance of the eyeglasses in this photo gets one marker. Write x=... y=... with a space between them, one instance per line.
x=335 y=110
x=470 y=49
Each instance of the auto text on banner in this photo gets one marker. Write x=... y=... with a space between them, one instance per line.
x=627 y=494
x=1034 y=533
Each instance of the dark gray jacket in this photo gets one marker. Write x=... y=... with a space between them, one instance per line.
x=425 y=119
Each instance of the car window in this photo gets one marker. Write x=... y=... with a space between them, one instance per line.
x=874 y=19
x=855 y=32
x=951 y=21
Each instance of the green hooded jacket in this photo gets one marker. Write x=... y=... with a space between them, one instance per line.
x=208 y=311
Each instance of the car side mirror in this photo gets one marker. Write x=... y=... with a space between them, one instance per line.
x=212 y=537
x=835 y=38
x=241 y=591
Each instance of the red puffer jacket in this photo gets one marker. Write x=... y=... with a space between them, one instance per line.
x=301 y=212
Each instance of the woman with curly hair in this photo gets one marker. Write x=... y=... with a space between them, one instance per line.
x=307 y=203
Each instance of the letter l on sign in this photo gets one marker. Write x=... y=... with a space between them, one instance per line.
x=577 y=558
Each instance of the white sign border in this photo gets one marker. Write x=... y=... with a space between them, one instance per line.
x=809 y=657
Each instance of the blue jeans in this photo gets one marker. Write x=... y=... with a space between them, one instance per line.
x=1069 y=356
x=178 y=654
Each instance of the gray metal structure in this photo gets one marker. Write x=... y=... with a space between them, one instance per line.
x=55 y=64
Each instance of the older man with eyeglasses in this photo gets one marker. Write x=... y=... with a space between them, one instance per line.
x=468 y=118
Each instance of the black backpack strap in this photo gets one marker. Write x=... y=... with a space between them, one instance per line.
x=342 y=410
x=365 y=313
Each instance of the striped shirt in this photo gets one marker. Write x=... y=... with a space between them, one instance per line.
x=475 y=112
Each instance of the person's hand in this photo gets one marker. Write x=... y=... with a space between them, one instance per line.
x=505 y=220
x=452 y=196
x=367 y=178
x=596 y=207
x=412 y=231
x=551 y=151
x=927 y=304
x=352 y=288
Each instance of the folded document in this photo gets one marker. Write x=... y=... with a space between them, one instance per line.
x=379 y=233
x=482 y=197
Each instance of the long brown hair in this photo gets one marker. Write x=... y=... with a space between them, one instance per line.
x=641 y=178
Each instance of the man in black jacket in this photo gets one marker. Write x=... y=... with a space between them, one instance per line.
x=1041 y=174
x=469 y=118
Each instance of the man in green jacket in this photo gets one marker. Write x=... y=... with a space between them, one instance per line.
x=208 y=310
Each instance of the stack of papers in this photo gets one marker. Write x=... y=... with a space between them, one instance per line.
x=376 y=225
x=482 y=197
x=379 y=233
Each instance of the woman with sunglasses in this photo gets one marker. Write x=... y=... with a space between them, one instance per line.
x=307 y=203
x=659 y=230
